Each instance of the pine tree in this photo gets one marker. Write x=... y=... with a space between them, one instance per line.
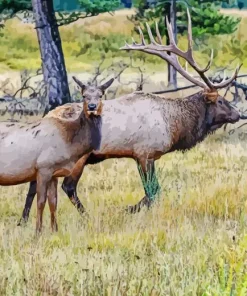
x=205 y=15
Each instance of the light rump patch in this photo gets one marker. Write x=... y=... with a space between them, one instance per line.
x=68 y=119
x=67 y=112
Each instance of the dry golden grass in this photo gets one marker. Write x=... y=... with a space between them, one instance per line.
x=192 y=242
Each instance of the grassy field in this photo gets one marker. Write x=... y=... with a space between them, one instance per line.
x=192 y=242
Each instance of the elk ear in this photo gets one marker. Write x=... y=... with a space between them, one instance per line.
x=104 y=86
x=82 y=86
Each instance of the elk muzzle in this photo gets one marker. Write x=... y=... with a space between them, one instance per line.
x=235 y=115
x=93 y=109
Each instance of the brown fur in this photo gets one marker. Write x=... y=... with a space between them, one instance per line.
x=85 y=108
x=69 y=125
x=67 y=113
x=175 y=131
x=27 y=176
x=211 y=96
x=74 y=109
x=52 y=200
x=62 y=173
x=100 y=107
x=67 y=119
x=78 y=167
x=66 y=128
x=70 y=120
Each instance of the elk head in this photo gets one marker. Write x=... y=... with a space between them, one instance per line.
x=219 y=110
x=92 y=97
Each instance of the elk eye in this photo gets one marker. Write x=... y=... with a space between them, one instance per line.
x=220 y=102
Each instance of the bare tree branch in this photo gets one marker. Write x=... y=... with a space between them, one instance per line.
x=25 y=107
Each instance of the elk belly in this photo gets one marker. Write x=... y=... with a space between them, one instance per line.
x=17 y=160
x=17 y=178
x=16 y=165
x=14 y=169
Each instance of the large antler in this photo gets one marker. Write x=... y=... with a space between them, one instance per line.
x=161 y=50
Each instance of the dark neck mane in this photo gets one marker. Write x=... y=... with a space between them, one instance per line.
x=191 y=115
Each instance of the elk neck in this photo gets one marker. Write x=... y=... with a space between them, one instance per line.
x=90 y=128
x=189 y=121
x=81 y=131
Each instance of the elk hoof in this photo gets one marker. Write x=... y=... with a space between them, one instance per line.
x=137 y=208
x=133 y=209
x=82 y=211
x=22 y=222
x=84 y=217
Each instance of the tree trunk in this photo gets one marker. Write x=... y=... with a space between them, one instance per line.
x=53 y=65
x=172 y=73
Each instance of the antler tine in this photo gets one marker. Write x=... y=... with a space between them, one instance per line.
x=209 y=62
x=169 y=29
x=186 y=66
x=126 y=46
x=160 y=50
x=141 y=36
x=190 y=38
x=188 y=56
x=224 y=83
x=224 y=75
x=150 y=34
x=190 y=49
x=158 y=33
x=173 y=59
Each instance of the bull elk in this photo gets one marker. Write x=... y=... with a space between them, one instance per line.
x=145 y=126
x=50 y=148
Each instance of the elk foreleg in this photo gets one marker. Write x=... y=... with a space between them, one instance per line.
x=69 y=185
x=29 y=201
x=146 y=168
x=52 y=200
x=43 y=178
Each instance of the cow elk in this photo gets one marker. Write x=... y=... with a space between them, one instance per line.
x=145 y=126
x=50 y=148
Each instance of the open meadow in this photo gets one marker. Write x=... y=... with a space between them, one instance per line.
x=193 y=241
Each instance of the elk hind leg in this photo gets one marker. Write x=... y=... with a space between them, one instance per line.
x=43 y=178
x=146 y=168
x=52 y=200
x=28 y=204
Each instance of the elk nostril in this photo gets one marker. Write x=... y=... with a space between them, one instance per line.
x=91 y=107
